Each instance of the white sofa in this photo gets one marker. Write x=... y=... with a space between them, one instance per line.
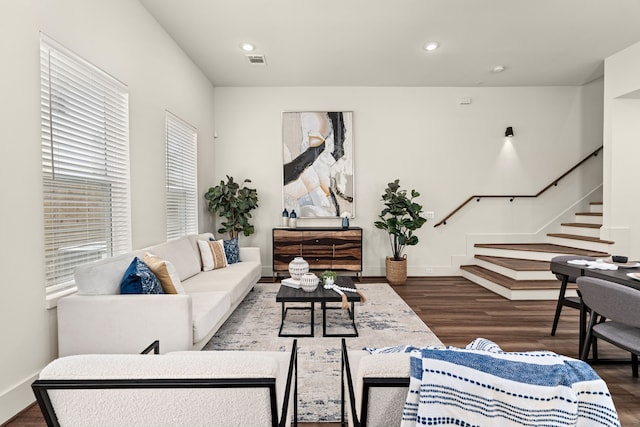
x=209 y=388
x=98 y=319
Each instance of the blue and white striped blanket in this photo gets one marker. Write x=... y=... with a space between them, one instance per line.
x=481 y=385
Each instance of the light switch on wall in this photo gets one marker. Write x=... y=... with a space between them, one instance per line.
x=430 y=215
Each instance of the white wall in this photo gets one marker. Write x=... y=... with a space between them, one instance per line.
x=621 y=135
x=120 y=37
x=423 y=137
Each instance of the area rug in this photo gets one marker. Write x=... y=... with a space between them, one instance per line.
x=384 y=320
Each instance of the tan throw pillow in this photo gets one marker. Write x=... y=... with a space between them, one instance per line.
x=205 y=255
x=212 y=254
x=165 y=272
x=219 y=256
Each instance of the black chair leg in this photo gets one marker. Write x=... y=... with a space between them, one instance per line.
x=556 y=318
x=634 y=365
x=584 y=353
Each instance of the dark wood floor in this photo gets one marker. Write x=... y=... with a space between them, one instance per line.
x=458 y=311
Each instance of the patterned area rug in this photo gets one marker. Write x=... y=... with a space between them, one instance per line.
x=384 y=320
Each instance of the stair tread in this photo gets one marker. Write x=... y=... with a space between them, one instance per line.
x=510 y=283
x=517 y=264
x=542 y=247
x=581 y=224
x=578 y=237
x=589 y=213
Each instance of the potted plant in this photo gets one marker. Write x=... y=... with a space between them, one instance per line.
x=328 y=277
x=400 y=217
x=234 y=202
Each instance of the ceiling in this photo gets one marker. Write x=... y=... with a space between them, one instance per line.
x=380 y=42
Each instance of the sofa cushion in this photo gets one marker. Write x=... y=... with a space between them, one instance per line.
x=193 y=240
x=165 y=272
x=208 y=309
x=181 y=254
x=236 y=279
x=231 y=250
x=103 y=277
x=139 y=279
x=212 y=254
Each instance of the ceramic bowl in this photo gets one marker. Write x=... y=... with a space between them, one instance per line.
x=309 y=282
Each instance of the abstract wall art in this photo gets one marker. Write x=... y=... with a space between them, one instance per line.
x=318 y=163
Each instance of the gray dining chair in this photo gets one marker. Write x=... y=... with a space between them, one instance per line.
x=614 y=316
x=563 y=300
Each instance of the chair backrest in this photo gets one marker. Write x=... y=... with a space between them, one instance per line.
x=565 y=258
x=611 y=300
x=217 y=388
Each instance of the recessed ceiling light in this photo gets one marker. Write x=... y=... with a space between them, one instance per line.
x=431 y=46
x=247 y=47
x=499 y=68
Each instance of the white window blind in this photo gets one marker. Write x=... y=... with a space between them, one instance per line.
x=182 y=185
x=85 y=165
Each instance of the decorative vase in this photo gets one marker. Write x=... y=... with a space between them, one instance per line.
x=298 y=267
x=328 y=281
x=345 y=222
x=285 y=218
x=309 y=282
x=293 y=218
x=396 y=271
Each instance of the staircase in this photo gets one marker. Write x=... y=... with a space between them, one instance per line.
x=519 y=271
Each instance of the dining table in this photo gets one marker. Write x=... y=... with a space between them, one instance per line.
x=622 y=275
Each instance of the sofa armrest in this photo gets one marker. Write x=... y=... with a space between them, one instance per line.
x=250 y=254
x=123 y=323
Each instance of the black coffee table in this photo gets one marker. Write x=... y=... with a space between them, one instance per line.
x=287 y=294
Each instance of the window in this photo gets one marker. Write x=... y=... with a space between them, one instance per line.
x=182 y=186
x=85 y=165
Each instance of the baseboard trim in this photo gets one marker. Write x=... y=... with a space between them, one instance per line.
x=16 y=399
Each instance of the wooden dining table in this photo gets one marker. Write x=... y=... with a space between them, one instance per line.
x=616 y=276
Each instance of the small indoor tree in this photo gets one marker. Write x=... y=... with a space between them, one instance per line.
x=234 y=202
x=400 y=217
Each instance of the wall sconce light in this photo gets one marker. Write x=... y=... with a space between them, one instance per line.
x=509 y=132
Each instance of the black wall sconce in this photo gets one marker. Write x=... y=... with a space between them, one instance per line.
x=509 y=132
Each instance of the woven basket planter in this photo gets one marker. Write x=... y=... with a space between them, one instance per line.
x=396 y=271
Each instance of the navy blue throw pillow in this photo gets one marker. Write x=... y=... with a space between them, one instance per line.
x=231 y=250
x=139 y=279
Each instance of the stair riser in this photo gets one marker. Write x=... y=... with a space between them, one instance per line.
x=509 y=253
x=493 y=287
x=515 y=274
x=546 y=294
x=582 y=244
x=589 y=219
x=595 y=208
x=581 y=231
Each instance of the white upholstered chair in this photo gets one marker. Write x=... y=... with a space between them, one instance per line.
x=197 y=388
x=374 y=387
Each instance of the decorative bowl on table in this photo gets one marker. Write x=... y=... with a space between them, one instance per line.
x=309 y=282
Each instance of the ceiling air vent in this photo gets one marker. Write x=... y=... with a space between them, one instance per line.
x=257 y=59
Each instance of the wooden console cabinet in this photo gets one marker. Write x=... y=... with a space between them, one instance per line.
x=324 y=248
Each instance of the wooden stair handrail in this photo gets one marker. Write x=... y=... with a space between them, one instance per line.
x=512 y=197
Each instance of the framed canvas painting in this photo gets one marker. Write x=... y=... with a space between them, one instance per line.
x=318 y=163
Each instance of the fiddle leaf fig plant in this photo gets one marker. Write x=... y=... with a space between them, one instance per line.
x=400 y=217
x=234 y=202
